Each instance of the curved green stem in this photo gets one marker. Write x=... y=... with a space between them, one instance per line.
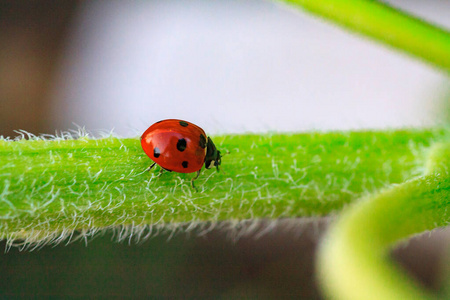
x=353 y=261
x=385 y=24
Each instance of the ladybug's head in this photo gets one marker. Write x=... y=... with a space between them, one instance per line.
x=213 y=157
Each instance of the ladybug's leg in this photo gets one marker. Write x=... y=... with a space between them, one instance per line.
x=161 y=170
x=194 y=178
x=149 y=168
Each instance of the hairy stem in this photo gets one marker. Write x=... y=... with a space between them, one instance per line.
x=53 y=186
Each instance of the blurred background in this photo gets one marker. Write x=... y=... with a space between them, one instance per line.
x=229 y=66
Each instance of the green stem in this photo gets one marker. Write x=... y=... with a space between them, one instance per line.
x=52 y=187
x=353 y=262
x=385 y=24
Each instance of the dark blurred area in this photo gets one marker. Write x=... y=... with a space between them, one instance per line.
x=271 y=262
x=278 y=264
x=32 y=35
x=214 y=265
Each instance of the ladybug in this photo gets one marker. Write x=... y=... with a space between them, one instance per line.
x=180 y=146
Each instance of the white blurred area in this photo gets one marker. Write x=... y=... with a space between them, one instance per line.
x=238 y=66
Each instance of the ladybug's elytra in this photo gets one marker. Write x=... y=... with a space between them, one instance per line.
x=180 y=146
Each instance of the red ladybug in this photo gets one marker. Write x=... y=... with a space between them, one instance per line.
x=180 y=146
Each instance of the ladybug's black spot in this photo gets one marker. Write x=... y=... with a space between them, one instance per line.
x=184 y=164
x=156 y=152
x=184 y=124
x=181 y=145
x=202 y=142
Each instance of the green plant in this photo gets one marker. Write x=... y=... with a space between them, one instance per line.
x=353 y=263
x=50 y=187
x=354 y=260
x=388 y=25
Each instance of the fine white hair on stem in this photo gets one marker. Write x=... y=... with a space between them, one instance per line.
x=234 y=231
x=79 y=132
